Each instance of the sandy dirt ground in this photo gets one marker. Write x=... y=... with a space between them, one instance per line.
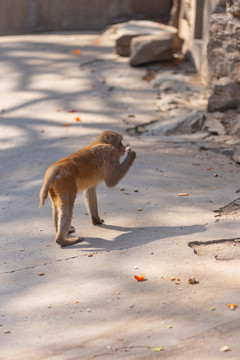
x=83 y=302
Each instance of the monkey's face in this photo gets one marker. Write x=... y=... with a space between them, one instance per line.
x=120 y=146
x=115 y=140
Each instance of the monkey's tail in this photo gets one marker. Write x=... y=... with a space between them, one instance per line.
x=48 y=179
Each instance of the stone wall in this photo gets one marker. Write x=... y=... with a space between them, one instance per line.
x=224 y=43
x=22 y=16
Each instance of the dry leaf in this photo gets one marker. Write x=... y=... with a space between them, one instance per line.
x=183 y=194
x=66 y=125
x=97 y=41
x=76 y=52
x=159 y=348
x=232 y=306
x=193 y=281
x=139 y=278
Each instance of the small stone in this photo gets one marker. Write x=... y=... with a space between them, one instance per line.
x=90 y=255
x=88 y=310
x=225 y=348
x=139 y=209
x=135 y=190
x=41 y=274
x=121 y=189
x=7 y=332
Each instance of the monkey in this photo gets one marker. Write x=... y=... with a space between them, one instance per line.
x=83 y=171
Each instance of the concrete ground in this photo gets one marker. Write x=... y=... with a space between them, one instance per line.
x=83 y=302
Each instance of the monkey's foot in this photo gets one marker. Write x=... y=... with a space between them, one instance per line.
x=97 y=220
x=69 y=242
x=71 y=230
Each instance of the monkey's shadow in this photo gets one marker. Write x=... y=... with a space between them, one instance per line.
x=135 y=236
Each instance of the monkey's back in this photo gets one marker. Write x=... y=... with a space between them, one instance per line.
x=83 y=169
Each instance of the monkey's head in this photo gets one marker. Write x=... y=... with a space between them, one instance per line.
x=114 y=139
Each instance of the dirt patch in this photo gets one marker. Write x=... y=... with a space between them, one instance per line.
x=225 y=249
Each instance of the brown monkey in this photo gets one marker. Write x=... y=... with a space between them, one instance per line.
x=84 y=170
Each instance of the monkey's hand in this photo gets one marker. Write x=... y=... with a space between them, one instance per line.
x=130 y=153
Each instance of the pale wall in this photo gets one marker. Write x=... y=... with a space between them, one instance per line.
x=21 y=16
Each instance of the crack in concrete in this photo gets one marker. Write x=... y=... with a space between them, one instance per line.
x=36 y=266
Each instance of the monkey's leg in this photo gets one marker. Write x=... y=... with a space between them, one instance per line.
x=91 y=201
x=55 y=215
x=64 y=221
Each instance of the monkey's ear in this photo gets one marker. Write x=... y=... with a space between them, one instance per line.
x=107 y=138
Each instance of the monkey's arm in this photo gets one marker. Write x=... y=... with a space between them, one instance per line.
x=116 y=171
x=91 y=202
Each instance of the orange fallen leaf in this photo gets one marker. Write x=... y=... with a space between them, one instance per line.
x=139 y=278
x=77 y=119
x=76 y=302
x=76 y=52
x=208 y=169
x=97 y=41
x=232 y=306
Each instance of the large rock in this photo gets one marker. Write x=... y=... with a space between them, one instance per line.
x=220 y=7
x=226 y=95
x=125 y=32
x=233 y=7
x=224 y=47
x=152 y=48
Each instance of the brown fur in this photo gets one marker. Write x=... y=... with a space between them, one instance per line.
x=83 y=171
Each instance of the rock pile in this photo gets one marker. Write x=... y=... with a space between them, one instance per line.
x=146 y=41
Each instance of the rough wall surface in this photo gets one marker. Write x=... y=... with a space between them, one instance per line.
x=21 y=16
x=224 y=46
